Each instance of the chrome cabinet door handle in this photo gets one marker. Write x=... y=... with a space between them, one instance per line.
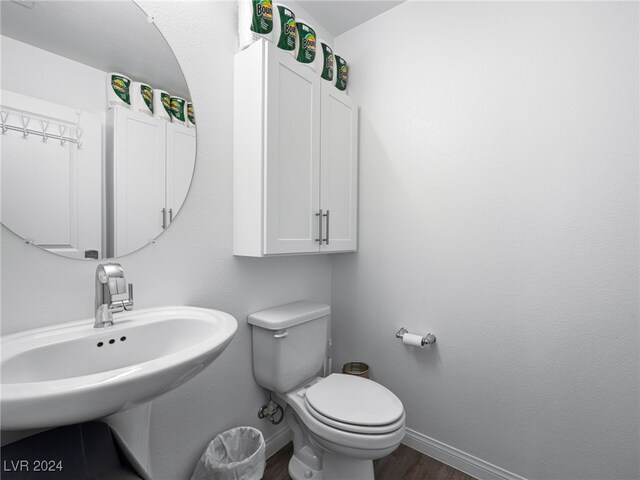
x=170 y=215
x=319 y=215
x=164 y=218
x=326 y=240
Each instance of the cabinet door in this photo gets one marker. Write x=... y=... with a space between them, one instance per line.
x=339 y=170
x=292 y=163
x=181 y=158
x=139 y=179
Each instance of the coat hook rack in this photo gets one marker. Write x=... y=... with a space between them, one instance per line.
x=43 y=132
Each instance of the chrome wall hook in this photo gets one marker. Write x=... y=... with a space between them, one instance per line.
x=63 y=140
x=45 y=125
x=4 y=116
x=25 y=124
x=79 y=133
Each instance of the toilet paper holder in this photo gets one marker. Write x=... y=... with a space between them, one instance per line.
x=428 y=339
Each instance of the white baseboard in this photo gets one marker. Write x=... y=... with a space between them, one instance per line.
x=456 y=458
x=276 y=441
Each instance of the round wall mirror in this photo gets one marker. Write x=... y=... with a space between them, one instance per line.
x=98 y=140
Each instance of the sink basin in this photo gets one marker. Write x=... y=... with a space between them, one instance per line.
x=72 y=372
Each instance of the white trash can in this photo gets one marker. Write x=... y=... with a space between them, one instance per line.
x=237 y=454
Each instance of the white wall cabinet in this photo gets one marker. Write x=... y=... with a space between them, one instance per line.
x=149 y=167
x=295 y=158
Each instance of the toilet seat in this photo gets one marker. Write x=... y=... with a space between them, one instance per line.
x=354 y=428
x=354 y=404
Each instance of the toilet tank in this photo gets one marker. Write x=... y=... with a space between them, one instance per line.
x=289 y=344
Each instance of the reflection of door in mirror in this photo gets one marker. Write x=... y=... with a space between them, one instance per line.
x=117 y=96
x=68 y=177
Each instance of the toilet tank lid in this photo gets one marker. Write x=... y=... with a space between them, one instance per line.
x=288 y=315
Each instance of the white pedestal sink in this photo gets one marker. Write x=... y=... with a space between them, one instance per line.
x=72 y=372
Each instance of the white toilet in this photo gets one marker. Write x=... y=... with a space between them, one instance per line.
x=340 y=423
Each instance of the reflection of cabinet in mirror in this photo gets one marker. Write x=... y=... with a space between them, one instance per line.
x=51 y=190
x=149 y=168
x=295 y=158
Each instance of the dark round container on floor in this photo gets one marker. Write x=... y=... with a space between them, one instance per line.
x=359 y=369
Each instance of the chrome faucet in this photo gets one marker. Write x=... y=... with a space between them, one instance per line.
x=112 y=294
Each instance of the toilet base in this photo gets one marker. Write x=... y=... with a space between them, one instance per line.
x=334 y=467
x=299 y=470
x=339 y=467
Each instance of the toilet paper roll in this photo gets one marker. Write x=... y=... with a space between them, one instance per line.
x=412 y=340
x=284 y=28
x=255 y=20
x=118 y=89
x=142 y=98
x=306 y=43
x=341 y=74
x=179 y=110
x=162 y=104
x=324 y=61
x=191 y=116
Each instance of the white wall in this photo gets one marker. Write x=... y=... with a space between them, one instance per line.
x=191 y=263
x=35 y=72
x=499 y=210
x=298 y=7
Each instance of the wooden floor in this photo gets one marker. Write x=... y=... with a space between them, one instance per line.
x=403 y=464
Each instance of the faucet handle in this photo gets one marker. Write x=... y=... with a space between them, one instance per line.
x=126 y=299
x=117 y=285
x=129 y=303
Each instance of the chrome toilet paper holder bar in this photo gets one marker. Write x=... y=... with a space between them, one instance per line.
x=428 y=339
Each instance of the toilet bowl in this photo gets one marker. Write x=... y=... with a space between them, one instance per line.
x=337 y=432
x=345 y=437
x=340 y=423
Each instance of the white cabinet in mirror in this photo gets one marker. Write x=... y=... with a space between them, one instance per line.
x=92 y=165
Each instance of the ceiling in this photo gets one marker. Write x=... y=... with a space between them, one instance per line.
x=113 y=36
x=338 y=16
